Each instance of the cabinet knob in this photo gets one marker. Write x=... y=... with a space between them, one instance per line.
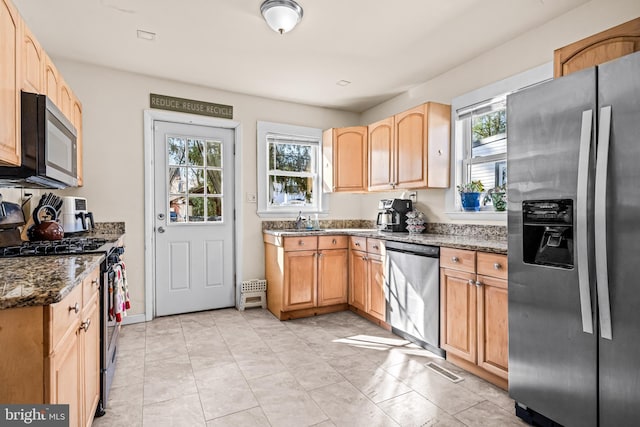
x=94 y=282
x=471 y=282
x=497 y=266
x=85 y=325
x=334 y=242
x=454 y=259
x=75 y=308
x=478 y=283
x=300 y=243
x=439 y=152
x=357 y=244
x=375 y=247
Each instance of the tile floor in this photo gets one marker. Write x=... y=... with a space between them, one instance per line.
x=232 y=368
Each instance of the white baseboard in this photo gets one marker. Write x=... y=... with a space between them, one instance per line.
x=136 y=318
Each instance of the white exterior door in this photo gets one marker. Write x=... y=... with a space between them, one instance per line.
x=194 y=218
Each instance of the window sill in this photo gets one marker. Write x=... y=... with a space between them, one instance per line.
x=479 y=216
x=289 y=213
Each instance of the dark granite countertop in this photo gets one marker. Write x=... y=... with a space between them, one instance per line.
x=471 y=242
x=43 y=280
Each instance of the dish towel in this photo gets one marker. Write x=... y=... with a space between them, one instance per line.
x=121 y=302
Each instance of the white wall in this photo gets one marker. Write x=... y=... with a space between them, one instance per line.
x=113 y=104
x=530 y=50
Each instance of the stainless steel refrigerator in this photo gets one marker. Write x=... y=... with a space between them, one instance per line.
x=574 y=247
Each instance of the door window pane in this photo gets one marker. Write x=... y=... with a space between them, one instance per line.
x=195 y=192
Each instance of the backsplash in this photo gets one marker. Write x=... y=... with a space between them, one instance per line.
x=497 y=232
x=109 y=228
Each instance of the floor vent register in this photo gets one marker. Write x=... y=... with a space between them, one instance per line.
x=444 y=372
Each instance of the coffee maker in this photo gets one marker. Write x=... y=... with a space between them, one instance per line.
x=392 y=214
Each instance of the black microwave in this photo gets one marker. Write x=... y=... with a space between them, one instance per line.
x=49 y=147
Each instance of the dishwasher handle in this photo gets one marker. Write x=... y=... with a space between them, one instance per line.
x=413 y=248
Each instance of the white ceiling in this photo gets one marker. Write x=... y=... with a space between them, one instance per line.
x=383 y=47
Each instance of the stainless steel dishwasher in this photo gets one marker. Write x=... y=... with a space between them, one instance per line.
x=412 y=290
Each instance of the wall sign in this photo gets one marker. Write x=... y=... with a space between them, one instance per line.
x=191 y=106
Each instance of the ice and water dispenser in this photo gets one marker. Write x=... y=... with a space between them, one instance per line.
x=547 y=232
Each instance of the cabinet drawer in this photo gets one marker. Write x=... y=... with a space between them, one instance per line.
x=358 y=243
x=492 y=265
x=375 y=246
x=65 y=314
x=333 y=242
x=308 y=243
x=90 y=286
x=458 y=259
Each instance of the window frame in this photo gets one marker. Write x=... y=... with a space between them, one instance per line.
x=508 y=85
x=284 y=132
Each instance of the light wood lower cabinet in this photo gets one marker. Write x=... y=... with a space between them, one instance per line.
x=474 y=312
x=306 y=275
x=51 y=353
x=366 y=278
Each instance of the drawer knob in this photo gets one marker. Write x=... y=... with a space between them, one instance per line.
x=75 y=308
x=375 y=247
x=454 y=259
x=85 y=325
x=357 y=244
x=300 y=242
x=334 y=242
x=497 y=266
x=94 y=282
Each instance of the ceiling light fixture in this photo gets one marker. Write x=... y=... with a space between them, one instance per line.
x=281 y=15
x=343 y=82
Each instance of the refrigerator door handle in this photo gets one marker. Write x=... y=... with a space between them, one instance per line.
x=582 y=255
x=600 y=222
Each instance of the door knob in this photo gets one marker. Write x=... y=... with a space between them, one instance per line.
x=160 y=229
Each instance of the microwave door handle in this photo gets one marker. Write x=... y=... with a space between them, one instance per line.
x=582 y=251
x=600 y=222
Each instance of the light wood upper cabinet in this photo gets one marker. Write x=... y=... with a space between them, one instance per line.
x=32 y=62
x=10 y=69
x=598 y=48
x=344 y=153
x=411 y=149
x=381 y=152
x=65 y=100
x=52 y=81
x=77 y=123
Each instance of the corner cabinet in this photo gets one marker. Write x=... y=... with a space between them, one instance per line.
x=306 y=275
x=345 y=159
x=366 y=278
x=474 y=312
x=599 y=48
x=54 y=353
x=10 y=82
x=411 y=150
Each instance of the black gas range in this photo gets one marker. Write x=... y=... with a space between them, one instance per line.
x=66 y=246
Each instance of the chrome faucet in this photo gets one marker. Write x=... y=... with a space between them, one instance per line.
x=300 y=221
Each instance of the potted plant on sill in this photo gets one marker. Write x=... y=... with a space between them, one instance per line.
x=470 y=195
x=498 y=197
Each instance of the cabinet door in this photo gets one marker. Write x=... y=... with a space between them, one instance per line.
x=349 y=159
x=65 y=100
x=493 y=334
x=90 y=345
x=602 y=47
x=51 y=81
x=77 y=123
x=333 y=276
x=358 y=279
x=458 y=311
x=32 y=62
x=381 y=171
x=376 y=303
x=438 y=144
x=411 y=151
x=9 y=84
x=300 y=280
x=65 y=376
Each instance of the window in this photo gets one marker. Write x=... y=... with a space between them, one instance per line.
x=289 y=170
x=480 y=137
x=484 y=136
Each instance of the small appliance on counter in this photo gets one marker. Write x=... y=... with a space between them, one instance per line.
x=392 y=214
x=11 y=217
x=75 y=217
x=45 y=224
